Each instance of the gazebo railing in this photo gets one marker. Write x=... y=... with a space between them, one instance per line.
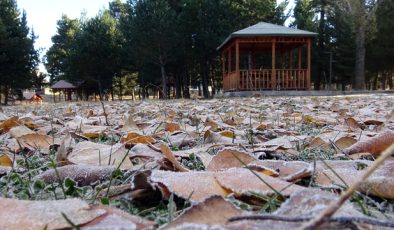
x=291 y=79
x=261 y=79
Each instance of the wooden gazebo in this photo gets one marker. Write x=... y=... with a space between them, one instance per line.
x=63 y=86
x=267 y=57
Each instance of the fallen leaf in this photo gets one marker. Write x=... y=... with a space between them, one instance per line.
x=136 y=138
x=286 y=170
x=20 y=214
x=117 y=219
x=90 y=153
x=374 y=145
x=345 y=142
x=172 y=127
x=352 y=123
x=129 y=124
x=229 y=158
x=302 y=203
x=5 y=160
x=242 y=181
x=170 y=156
x=212 y=211
x=196 y=186
x=212 y=137
x=227 y=133
x=6 y=125
x=35 y=141
x=19 y=131
x=82 y=174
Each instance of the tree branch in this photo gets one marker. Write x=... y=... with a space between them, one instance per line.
x=330 y=210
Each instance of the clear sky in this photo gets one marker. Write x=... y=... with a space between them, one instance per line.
x=42 y=15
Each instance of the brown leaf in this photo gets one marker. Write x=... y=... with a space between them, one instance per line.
x=20 y=214
x=82 y=174
x=380 y=183
x=90 y=153
x=212 y=211
x=19 y=131
x=303 y=203
x=345 y=142
x=28 y=122
x=117 y=219
x=212 y=137
x=227 y=133
x=229 y=158
x=352 y=123
x=6 y=125
x=374 y=145
x=5 y=160
x=242 y=181
x=170 y=156
x=172 y=127
x=286 y=170
x=35 y=141
x=373 y=122
x=194 y=185
x=136 y=138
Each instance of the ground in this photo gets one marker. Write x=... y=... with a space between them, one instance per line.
x=200 y=163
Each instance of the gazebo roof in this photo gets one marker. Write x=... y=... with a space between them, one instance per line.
x=62 y=84
x=263 y=29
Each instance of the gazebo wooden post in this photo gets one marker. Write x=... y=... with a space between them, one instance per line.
x=273 y=68
x=223 y=69
x=237 y=76
x=299 y=67
x=308 y=73
x=230 y=77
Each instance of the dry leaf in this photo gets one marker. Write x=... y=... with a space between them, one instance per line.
x=302 y=203
x=374 y=145
x=5 y=160
x=90 y=153
x=9 y=124
x=212 y=211
x=82 y=174
x=19 y=131
x=212 y=137
x=345 y=142
x=170 y=156
x=130 y=124
x=352 y=123
x=286 y=170
x=117 y=219
x=227 y=133
x=229 y=158
x=196 y=186
x=136 y=138
x=28 y=122
x=37 y=215
x=242 y=181
x=172 y=127
x=35 y=141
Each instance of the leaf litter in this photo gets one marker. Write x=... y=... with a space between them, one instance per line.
x=292 y=155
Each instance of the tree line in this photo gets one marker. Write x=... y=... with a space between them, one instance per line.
x=169 y=46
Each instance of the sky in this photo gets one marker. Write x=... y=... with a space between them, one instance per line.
x=42 y=15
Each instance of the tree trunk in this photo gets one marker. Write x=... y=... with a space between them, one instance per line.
x=204 y=78
x=322 y=25
x=5 y=95
x=163 y=77
x=359 y=69
x=178 y=86
x=186 y=84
